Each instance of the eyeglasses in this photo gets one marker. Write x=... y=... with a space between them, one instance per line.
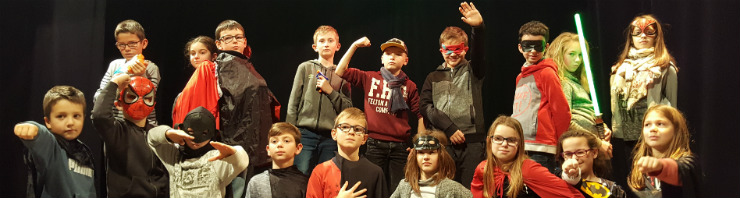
x=229 y=38
x=358 y=130
x=497 y=139
x=578 y=153
x=131 y=45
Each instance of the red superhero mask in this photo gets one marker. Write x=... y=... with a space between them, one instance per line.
x=647 y=26
x=138 y=98
x=457 y=49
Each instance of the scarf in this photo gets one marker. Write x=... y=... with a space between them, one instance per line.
x=76 y=150
x=188 y=153
x=395 y=82
x=636 y=75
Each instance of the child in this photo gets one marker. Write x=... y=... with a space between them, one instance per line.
x=63 y=164
x=448 y=101
x=247 y=107
x=430 y=170
x=130 y=41
x=664 y=165
x=283 y=179
x=347 y=166
x=202 y=88
x=315 y=101
x=508 y=168
x=133 y=169
x=644 y=75
x=389 y=93
x=584 y=166
x=539 y=103
x=566 y=52
x=200 y=167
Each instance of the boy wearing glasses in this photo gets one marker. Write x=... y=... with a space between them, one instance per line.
x=347 y=167
x=539 y=102
x=247 y=107
x=130 y=41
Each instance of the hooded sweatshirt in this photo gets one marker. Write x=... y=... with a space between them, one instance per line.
x=540 y=106
x=311 y=109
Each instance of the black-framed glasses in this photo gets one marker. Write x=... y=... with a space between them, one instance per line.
x=356 y=129
x=511 y=141
x=131 y=45
x=229 y=38
x=578 y=153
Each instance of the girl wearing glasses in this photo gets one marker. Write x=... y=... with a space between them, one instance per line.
x=430 y=170
x=582 y=163
x=508 y=172
x=644 y=75
x=664 y=165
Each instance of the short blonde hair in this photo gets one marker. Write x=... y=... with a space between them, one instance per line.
x=324 y=29
x=351 y=113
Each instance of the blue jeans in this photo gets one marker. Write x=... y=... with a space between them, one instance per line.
x=391 y=157
x=316 y=149
x=545 y=159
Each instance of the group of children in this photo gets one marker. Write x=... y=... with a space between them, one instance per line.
x=226 y=140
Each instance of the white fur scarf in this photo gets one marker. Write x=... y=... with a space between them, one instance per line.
x=635 y=76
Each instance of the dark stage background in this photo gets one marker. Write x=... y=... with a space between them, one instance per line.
x=47 y=43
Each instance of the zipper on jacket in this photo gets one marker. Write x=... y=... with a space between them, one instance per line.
x=318 y=113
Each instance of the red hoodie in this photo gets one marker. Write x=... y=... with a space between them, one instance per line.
x=540 y=106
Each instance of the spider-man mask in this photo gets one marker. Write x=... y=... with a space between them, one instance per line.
x=138 y=98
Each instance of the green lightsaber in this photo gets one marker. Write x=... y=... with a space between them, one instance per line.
x=587 y=65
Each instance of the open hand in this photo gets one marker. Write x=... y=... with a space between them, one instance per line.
x=26 y=131
x=471 y=16
x=350 y=193
x=223 y=149
x=178 y=136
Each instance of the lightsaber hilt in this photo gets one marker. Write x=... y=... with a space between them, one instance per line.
x=600 y=131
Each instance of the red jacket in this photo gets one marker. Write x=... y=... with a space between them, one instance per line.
x=540 y=106
x=536 y=177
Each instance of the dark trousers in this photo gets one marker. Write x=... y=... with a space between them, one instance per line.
x=545 y=159
x=622 y=162
x=316 y=149
x=391 y=157
x=467 y=156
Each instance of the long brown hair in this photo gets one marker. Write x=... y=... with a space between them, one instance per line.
x=678 y=147
x=516 y=183
x=556 y=52
x=601 y=165
x=445 y=163
x=662 y=57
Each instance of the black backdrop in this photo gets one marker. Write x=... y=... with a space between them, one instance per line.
x=46 y=43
